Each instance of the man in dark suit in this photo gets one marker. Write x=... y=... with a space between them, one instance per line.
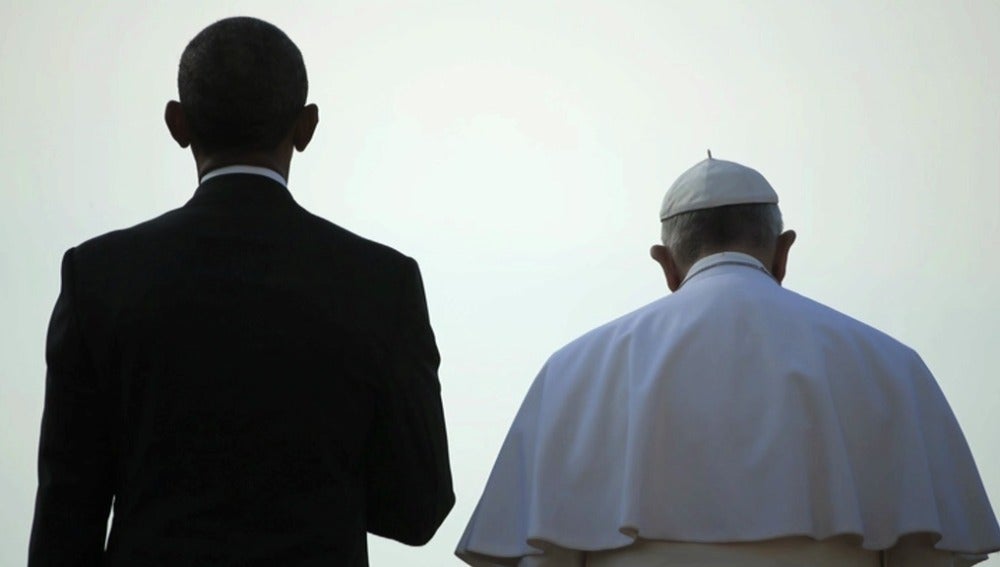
x=247 y=382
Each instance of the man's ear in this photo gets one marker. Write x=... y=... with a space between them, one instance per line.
x=671 y=271
x=305 y=127
x=781 y=248
x=177 y=123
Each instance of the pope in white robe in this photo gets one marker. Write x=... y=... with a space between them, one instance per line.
x=732 y=419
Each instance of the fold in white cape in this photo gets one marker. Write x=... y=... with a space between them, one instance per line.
x=732 y=410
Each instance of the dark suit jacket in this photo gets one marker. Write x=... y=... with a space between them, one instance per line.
x=250 y=384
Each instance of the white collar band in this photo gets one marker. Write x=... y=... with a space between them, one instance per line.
x=251 y=169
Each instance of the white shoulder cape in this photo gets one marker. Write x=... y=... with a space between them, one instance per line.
x=732 y=410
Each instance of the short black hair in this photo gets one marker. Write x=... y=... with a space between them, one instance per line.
x=242 y=83
x=692 y=235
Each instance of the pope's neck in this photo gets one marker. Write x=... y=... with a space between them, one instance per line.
x=724 y=258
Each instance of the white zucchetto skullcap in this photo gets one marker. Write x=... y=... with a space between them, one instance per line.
x=716 y=183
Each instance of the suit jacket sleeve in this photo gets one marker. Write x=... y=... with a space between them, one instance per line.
x=75 y=457
x=409 y=489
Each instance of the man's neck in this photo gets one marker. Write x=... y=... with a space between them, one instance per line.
x=275 y=160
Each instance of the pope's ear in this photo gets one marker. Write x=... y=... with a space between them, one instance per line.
x=666 y=261
x=781 y=248
x=177 y=123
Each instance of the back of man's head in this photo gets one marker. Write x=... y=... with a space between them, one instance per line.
x=242 y=84
x=719 y=206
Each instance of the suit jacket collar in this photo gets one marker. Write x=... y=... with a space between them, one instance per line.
x=240 y=190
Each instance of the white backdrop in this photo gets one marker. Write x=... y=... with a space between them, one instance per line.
x=519 y=151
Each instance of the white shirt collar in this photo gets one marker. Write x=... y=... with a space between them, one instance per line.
x=251 y=169
x=724 y=258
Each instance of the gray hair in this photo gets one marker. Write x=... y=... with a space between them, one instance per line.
x=692 y=235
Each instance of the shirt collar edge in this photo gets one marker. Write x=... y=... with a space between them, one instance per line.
x=246 y=169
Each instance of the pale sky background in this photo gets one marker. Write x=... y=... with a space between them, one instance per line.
x=519 y=151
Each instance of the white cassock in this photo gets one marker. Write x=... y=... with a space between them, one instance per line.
x=732 y=410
